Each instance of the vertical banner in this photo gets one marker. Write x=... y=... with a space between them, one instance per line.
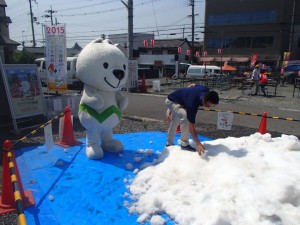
x=132 y=81
x=71 y=103
x=57 y=105
x=56 y=57
x=49 y=143
x=286 y=58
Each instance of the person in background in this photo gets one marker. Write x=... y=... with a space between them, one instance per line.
x=263 y=80
x=183 y=105
x=255 y=76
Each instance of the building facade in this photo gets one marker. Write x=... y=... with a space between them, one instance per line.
x=138 y=41
x=161 y=57
x=39 y=52
x=156 y=57
x=7 y=46
x=237 y=29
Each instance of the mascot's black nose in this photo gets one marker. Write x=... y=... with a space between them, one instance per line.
x=119 y=74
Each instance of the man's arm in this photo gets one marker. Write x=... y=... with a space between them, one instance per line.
x=192 y=85
x=200 y=147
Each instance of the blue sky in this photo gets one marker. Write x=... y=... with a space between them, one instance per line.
x=88 y=19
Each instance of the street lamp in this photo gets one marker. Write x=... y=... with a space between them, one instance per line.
x=23 y=41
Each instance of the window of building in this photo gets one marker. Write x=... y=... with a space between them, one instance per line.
x=143 y=50
x=262 y=42
x=216 y=43
x=254 y=17
x=172 y=52
x=156 y=52
x=68 y=65
x=241 y=42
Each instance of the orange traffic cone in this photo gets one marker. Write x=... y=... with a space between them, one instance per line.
x=263 y=124
x=68 y=139
x=143 y=86
x=7 y=198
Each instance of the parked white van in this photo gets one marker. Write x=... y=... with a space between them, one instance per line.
x=72 y=80
x=201 y=71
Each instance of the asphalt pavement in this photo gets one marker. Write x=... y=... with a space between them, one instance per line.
x=283 y=106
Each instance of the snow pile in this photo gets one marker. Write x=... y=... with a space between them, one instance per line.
x=248 y=180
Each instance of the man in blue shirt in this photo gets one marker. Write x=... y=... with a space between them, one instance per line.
x=183 y=105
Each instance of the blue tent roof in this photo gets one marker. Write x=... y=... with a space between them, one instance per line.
x=292 y=68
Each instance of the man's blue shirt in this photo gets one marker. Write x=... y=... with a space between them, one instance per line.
x=190 y=99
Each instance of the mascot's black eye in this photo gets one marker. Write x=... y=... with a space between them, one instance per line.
x=124 y=67
x=105 y=65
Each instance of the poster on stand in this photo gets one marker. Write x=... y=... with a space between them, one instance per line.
x=56 y=57
x=24 y=91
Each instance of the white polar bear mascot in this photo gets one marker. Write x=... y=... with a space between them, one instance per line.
x=102 y=67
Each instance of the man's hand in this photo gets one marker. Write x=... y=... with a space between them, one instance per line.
x=192 y=85
x=200 y=149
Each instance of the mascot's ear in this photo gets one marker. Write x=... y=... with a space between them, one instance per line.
x=108 y=41
x=100 y=40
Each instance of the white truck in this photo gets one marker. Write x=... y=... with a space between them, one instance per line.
x=195 y=71
x=72 y=81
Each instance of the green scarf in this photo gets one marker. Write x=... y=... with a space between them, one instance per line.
x=101 y=117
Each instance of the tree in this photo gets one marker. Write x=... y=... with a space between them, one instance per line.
x=23 y=57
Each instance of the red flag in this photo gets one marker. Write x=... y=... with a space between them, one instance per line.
x=254 y=59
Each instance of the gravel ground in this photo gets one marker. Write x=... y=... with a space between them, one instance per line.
x=128 y=124
x=132 y=124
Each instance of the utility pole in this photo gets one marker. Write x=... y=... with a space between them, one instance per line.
x=32 y=28
x=292 y=27
x=192 y=3
x=129 y=7
x=51 y=14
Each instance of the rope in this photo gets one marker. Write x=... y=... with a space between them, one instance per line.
x=252 y=114
x=36 y=130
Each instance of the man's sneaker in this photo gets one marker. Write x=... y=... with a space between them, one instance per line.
x=188 y=148
x=167 y=145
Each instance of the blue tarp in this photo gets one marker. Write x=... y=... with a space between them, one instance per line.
x=70 y=189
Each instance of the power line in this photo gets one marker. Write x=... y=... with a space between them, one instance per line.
x=87 y=6
x=92 y=13
x=50 y=15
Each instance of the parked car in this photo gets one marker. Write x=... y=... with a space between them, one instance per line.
x=201 y=71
